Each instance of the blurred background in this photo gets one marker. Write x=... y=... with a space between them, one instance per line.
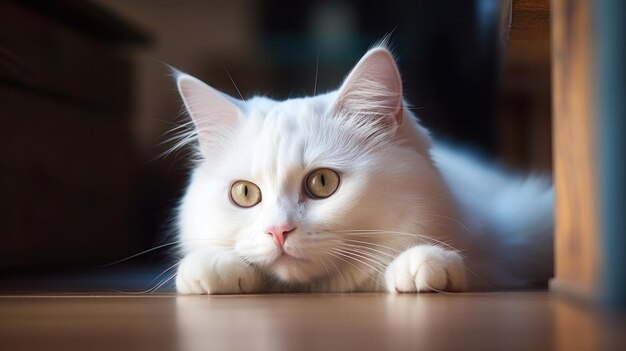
x=87 y=102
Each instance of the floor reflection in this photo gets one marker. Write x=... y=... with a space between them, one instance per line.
x=525 y=321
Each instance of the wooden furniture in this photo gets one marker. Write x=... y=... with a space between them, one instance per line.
x=589 y=110
x=523 y=121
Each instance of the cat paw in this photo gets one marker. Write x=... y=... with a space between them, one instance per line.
x=216 y=273
x=426 y=268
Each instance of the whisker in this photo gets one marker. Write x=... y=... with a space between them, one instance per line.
x=407 y=236
x=137 y=254
x=350 y=256
x=367 y=256
x=162 y=273
x=393 y=232
x=150 y=290
x=444 y=292
x=337 y=268
x=368 y=248
x=235 y=85
x=321 y=260
x=350 y=263
x=456 y=221
x=164 y=282
x=373 y=244
x=317 y=66
x=479 y=277
x=154 y=249
x=383 y=262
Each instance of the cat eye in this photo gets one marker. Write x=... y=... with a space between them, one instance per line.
x=245 y=194
x=321 y=183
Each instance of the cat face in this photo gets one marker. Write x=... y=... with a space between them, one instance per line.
x=297 y=187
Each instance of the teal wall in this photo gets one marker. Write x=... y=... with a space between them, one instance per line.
x=610 y=41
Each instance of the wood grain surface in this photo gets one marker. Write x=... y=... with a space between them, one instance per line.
x=503 y=321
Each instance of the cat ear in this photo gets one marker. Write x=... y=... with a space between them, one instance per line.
x=373 y=89
x=213 y=113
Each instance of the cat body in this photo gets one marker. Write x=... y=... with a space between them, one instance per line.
x=345 y=191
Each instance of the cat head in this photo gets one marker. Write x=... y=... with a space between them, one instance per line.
x=304 y=187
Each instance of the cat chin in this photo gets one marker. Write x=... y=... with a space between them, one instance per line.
x=290 y=269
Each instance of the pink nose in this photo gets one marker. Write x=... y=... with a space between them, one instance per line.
x=279 y=233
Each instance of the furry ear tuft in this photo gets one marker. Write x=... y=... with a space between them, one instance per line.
x=213 y=113
x=373 y=89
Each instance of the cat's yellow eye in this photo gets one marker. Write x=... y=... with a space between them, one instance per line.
x=245 y=194
x=321 y=183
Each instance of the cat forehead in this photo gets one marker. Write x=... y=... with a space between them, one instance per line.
x=275 y=136
x=289 y=124
x=264 y=108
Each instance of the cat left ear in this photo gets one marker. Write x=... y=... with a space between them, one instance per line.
x=212 y=112
x=373 y=88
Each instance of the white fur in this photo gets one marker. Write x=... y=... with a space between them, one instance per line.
x=398 y=222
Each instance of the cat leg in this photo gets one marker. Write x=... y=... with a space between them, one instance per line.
x=426 y=268
x=217 y=271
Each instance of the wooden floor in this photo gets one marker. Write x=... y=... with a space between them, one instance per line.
x=496 y=321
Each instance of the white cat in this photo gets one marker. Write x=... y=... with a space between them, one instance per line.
x=345 y=192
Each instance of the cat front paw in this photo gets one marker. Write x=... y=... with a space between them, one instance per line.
x=216 y=273
x=426 y=268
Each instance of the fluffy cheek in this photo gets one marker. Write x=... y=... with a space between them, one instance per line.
x=384 y=192
x=207 y=218
x=356 y=205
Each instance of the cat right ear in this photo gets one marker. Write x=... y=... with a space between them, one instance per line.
x=213 y=113
x=373 y=89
